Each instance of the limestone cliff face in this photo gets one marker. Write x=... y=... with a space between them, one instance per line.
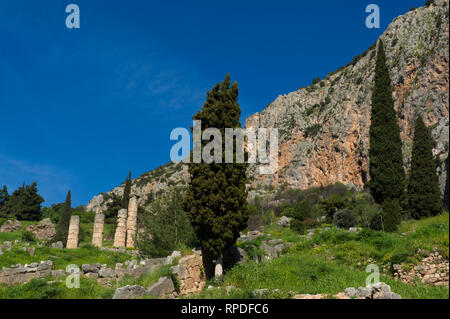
x=324 y=128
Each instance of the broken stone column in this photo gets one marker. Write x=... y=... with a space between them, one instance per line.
x=121 y=230
x=74 y=229
x=97 y=235
x=132 y=221
x=218 y=271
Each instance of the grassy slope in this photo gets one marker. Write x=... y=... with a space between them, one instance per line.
x=333 y=260
x=326 y=263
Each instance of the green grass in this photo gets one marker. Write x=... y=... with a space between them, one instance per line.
x=89 y=288
x=15 y=235
x=307 y=274
x=352 y=248
x=41 y=289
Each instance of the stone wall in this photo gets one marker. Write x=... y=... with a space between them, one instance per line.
x=434 y=270
x=190 y=274
x=20 y=274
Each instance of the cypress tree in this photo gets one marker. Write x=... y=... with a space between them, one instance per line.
x=387 y=176
x=126 y=192
x=424 y=197
x=216 y=198
x=4 y=196
x=64 y=221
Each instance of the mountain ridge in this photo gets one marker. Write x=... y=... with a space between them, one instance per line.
x=323 y=128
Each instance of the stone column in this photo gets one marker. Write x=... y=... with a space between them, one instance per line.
x=74 y=229
x=132 y=221
x=218 y=271
x=97 y=234
x=121 y=230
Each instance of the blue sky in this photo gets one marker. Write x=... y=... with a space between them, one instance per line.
x=79 y=108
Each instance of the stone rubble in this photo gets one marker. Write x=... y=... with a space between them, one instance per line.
x=433 y=270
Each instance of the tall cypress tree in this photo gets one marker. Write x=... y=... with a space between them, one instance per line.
x=64 y=221
x=126 y=192
x=4 y=196
x=387 y=176
x=216 y=199
x=424 y=197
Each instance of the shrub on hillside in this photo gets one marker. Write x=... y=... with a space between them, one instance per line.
x=166 y=227
x=333 y=204
x=311 y=223
x=298 y=226
x=254 y=222
x=392 y=213
x=27 y=236
x=345 y=219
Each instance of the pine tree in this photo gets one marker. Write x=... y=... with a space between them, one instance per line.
x=216 y=199
x=62 y=230
x=126 y=192
x=29 y=207
x=424 y=196
x=23 y=204
x=387 y=176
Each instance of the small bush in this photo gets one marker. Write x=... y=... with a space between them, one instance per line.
x=27 y=236
x=254 y=222
x=311 y=223
x=312 y=130
x=391 y=215
x=298 y=226
x=345 y=219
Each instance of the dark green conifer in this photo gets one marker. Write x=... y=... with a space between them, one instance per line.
x=424 y=197
x=385 y=154
x=216 y=199
x=62 y=230
x=126 y=192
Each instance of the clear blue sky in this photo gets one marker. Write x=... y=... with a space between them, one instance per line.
x=80 y=108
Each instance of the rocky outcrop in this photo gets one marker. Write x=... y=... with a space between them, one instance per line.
x=324 y=128
x=10 y=226
x=44 y=230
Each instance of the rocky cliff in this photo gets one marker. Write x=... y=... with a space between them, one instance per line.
x=324 y=128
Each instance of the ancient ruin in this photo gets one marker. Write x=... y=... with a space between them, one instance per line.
x=74 y=229
x=121 y=229
x=97 y=234
x=132 y=221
